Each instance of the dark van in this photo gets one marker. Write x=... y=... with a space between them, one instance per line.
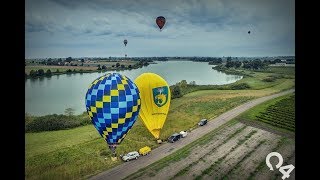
x=174 y=137
x=203 y=122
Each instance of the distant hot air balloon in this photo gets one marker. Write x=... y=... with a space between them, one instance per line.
x=125 y=42
x=155 y=101
x=160 y=21
x=113 y=104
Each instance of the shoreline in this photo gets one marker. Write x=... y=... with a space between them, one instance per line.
x=78 y=72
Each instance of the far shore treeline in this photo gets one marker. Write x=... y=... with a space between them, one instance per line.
x=36 y=68
x=70 y=68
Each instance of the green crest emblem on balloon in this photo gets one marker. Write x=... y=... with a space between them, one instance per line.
x=160 y=95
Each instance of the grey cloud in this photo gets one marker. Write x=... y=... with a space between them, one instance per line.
x=104 y=33
x=35 y=27
x=72 y=4
x=202 y=22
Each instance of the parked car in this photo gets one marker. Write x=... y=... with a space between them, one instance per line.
x=174 y=137
x=130 y=156
x=183 y=133
x=145 y=150
x=203 y=122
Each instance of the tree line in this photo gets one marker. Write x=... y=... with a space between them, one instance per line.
x=252 y=64
x=48 y=73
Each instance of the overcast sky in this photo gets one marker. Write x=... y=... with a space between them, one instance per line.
x=97 y=28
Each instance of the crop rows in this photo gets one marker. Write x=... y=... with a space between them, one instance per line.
x=281 y=114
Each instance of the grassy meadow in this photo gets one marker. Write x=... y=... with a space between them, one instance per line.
x=80 y=152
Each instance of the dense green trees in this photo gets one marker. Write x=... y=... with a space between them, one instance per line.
x=254 y=64
x=176 y=92
x=33 y=73
x=68 y=59
x=215 y=61
x=48 y=73
x=55 y=122
x=235 y=64
x=40 y=72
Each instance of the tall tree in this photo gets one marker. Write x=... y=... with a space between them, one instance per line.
x=48 y=73
x=40 y=72
x=176 y=92
x=33 y=73
x=69 y=111
x=69 y=59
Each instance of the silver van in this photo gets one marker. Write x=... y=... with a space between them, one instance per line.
x=131 y=155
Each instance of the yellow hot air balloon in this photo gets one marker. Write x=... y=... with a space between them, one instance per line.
x=155 y=101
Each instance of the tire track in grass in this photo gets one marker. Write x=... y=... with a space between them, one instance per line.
x=216 y=163
x=236 y=166
x=196 y=154
x=287 y=153
x=231 y=161
x=223 y=150
x=201 y=158
x=248 y=165
x=291 y=160
x=262 y=171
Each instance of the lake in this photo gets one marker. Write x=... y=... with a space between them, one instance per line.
x=49 y=95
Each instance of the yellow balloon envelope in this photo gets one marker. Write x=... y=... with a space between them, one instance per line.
x=155 y=101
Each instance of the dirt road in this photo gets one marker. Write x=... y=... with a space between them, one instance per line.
x=125 y=169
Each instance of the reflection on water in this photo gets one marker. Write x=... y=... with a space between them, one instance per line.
x=53 y=95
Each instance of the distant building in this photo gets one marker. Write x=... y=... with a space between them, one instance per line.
x=282 y=64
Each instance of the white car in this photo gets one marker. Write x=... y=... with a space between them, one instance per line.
x=183 y=133
x=130 y=156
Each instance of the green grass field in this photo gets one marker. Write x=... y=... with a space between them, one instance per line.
x=280 y=79
x=80 y=152
x=255 y=79
x=278 y=113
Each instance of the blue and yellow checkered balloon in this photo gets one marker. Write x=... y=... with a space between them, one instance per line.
x=113 y=104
